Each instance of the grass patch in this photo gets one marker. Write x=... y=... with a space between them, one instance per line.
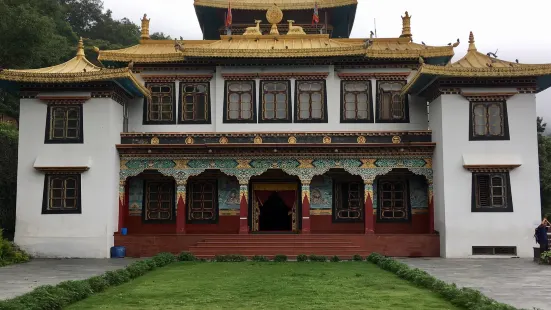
x=251 y=285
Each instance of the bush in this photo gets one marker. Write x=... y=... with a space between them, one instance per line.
x=8 y=178
x=151 y=264
x=186 y=257
x=10 y=253
x=335 y=259
x=117 y=277
x=316 y=258
x=357 y=258
x=137 y=269
x=98 y=284
x=280 y=258
x=49 y=297
x=163 y=259
x=260 y=258
x=78 y=290
x=230 y=258
x=302 y=258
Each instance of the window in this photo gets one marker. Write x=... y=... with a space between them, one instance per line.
x=310 y=102
x=488 y=121
x=348 y=201
x=392 y=200
x=160 y=109
x=159 y=201
x=194 y=103
x=275 y=102
x=64 y=124
x=203 y=202
x=491 y=193
x=356 y=102
x=391 y=106
x=61 y=194
x=239 y=103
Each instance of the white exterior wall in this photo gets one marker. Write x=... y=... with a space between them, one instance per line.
x=86 y=235
x=460 y=228
x=417 y=106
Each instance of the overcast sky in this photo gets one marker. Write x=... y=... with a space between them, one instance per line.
x=518 y=29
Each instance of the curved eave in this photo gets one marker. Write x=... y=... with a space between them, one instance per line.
x=123 y=77
x=427 y=74
x=282 y=4
x=436 y=52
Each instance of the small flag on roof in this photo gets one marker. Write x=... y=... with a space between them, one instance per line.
x=316 y=17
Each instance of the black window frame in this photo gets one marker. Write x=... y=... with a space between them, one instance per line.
x=189 y=202
x=370 y=118
x=289 y=106
x=46 y=193
x=172 y=219
x=338 y=194
x=226 y=119
x=378 y=108
x=49 y=119
x=406 y=198
x=474 y=193
x=488 y=137
x=208 y=114
x=147 y=103
x=324 y=120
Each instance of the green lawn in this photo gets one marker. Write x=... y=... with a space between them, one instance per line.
x=348 y=285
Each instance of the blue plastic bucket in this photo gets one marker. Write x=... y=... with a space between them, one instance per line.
x=118 y=252
x=124 y=231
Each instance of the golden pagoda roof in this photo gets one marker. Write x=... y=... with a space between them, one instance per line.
x=270 y=46
x=477 y=65
x=78 y=69
x=282 y=4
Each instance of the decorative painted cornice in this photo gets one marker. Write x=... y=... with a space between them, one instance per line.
x=490 y=168
x=172 y=78
x=386 y=76
x=486 y=97
x=63 y=170
x=275 y=76
x=63 y=99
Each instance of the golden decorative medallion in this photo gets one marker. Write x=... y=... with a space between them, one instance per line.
x=258 y=140
x=361 y=140
x=292 y=140
x=154 y=140
x=326 y=140
x=396 y=139
x=189 y=140
x=223 y=140
x=274 y=15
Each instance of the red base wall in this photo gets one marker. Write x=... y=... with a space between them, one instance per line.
x=323 y=224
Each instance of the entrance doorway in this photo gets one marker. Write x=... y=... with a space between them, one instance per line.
x=275 y=215
x=274 y=207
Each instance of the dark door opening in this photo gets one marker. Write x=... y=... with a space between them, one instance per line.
x=275 y=215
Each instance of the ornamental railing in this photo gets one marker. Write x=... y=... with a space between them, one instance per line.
x=239 y=29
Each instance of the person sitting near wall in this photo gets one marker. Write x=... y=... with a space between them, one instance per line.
x=541 y=235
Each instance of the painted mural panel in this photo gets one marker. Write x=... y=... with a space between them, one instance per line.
x=135 y=197
x=228 y=193
x=321 y=193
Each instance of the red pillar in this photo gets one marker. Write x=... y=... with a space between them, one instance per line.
x=244 y=209
x=305 y=207
x=368 y=216
x=122 y=204
x=431 y=208
x=181 y=207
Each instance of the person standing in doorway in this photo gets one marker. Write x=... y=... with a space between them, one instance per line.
x=541 y=235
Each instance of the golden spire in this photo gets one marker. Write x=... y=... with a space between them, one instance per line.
x=274 y=17
x=472 y=47
x=80 y=48
x=145 y=28
x=406 y=26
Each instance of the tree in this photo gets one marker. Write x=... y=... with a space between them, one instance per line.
x=544 y=154
x=160 y=36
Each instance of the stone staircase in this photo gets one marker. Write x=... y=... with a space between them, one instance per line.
x=271 y=245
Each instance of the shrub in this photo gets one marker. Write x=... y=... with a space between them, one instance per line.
x=186 y=257
x=49 y=297
x=237 y=258
x=151 y=264
x=357 y=258
x=374 y=257
x=545 y=257
x=77 y=290
x=163 y=259
x=302 y=258
x=260 y=258
x=335 y=259
x=10 y=253
x=116 y=277
x=316 y=258
x=137 y=269
x=98 y=284
x=280 y=258
x=221 y=258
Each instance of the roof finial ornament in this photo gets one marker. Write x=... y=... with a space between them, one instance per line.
x=472 y=47
x=274 y=15
x=294 y=29
x=145 y=28
x=80 y=48
x=406 y=26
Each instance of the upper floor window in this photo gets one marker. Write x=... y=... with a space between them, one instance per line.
x=239 y=103
x=356 y=102
x=491 y=193
x=194 y=103
x=348 y=202
x=392 y=200
x=203 y=201
x=310 y=103
x=276 y=103
x=392 y=107
x=161 y=108
x=64 y=124
x=488 y=121
x=61 y=194
x=159 y=201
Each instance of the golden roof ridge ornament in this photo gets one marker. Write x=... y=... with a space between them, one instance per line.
x=80 y=49
x=253 y=31
x=472 y=47
x=145 y=28
x=406 y=26
x=274 y=15
x=295 y=30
